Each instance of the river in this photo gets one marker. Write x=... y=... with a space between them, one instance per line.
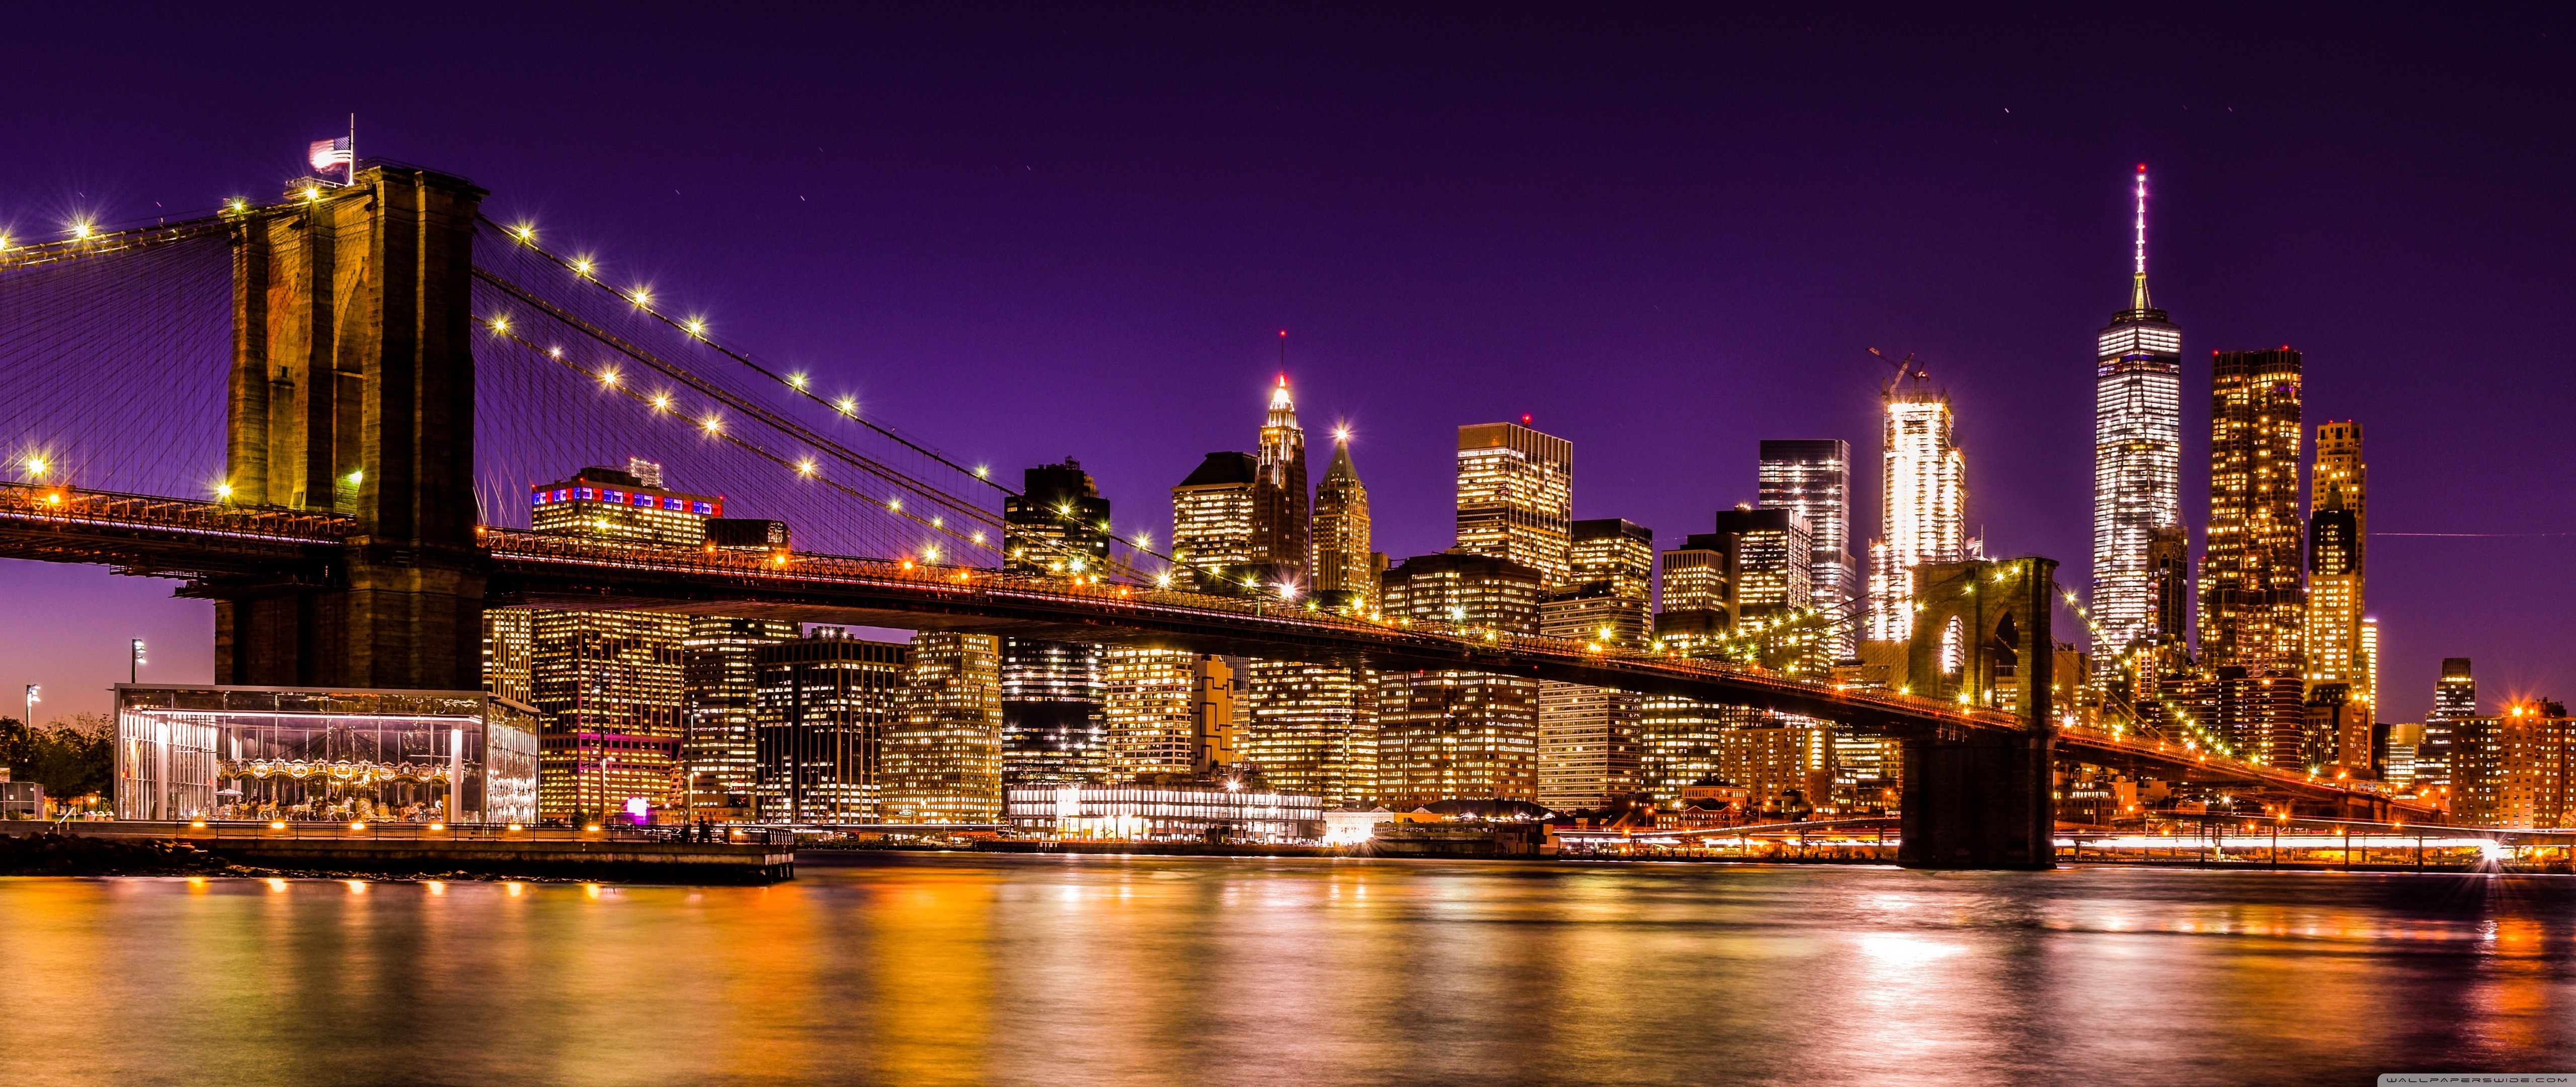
x=957 y=968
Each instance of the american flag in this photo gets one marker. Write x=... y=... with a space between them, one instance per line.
x=331 y=154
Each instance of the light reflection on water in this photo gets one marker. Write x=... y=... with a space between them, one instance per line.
x=914 y=969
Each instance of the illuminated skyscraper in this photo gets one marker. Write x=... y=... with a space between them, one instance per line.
x=1151 y=706
x=943 y=759
x=826 y=703
x=720 y=704
x=1312 y=728
x=1813 y=477
x=1454 y=734
x=1588 y=735
x=2252 y=602
x=627 y=505
x=2137 y=460
x=1051 y=715
x=2455 y=699
x=1516 y=497
x=612 y=684
x=1212 y=522
x=1343 y=561
x=1924 y=501
x=1280 y=530
x=2338 y=538
x=609 y=684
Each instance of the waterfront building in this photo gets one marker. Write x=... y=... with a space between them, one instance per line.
x=1773 y=761
x=1150 y=703
x=825 y=705
x=1163 y=812
x=1516 y=497
x=1812 y=477
x=1587 y=753
x=943 y=757
x=1677 y=745
x=2252 y=602
x=2512 y=770
x=1052 y=721
x=719 y=707
x=2137 y=461
x=1313 y=729
x=1212 y=523
x=2397 y=755
x=609 y=684
x=1448 y=734
x=1923 y=502
x=1280 y=528
x=1346 y=570
x=305 y=754
x=2455 y=699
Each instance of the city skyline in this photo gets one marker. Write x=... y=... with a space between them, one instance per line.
x=2249 y=267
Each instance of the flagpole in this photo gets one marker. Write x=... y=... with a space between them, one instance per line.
x=353 y=149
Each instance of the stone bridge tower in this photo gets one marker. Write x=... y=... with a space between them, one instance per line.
x=1981 y=637
x=353 y=393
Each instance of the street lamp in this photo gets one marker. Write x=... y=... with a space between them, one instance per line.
x=134 y=665
x=33 y=696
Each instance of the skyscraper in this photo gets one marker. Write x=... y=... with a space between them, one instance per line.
x=1343 y=566
x=1455 y=734
x=1813 y=477
x=1312 y=728
x=1924 y=500
x=1051 y=715
x=825 y=705
x=2338 y=538
x=1617 y=551
x=1588 y=735
x=719 y=699
x=943 y=759
x=2455 y=699
x=2137 y=460
x=1516 y=497
x=1280 y=531
x=2252 y=603
x=612 y=684
x=1212 y=523
x=1150 y=699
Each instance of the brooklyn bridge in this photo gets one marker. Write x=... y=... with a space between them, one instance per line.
x=323 y=413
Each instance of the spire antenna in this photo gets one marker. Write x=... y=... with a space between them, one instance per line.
x=2138 y=287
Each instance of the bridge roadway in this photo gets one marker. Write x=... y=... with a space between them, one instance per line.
x=221 y=549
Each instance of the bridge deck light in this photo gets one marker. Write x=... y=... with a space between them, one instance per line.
x=313 y=192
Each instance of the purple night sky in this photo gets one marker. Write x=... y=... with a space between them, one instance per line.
x=1027 y=233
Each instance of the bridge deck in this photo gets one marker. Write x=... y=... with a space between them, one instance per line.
x=219 y=546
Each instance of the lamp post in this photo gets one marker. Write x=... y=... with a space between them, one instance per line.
x=34 y=693
x=134 y=663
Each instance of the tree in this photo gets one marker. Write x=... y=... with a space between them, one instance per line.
x=69 y=760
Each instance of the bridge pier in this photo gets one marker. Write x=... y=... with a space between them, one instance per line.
x=1982 y=802
x=352 y=393
x=1983 y=799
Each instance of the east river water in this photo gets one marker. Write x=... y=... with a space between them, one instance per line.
x=955 y=968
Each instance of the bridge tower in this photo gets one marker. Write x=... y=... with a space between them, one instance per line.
x=352 y=392
x=1981 y=637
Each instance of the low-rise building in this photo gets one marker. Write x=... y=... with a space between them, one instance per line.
x=1148 y=812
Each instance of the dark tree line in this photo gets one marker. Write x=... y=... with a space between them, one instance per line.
x=70 y=759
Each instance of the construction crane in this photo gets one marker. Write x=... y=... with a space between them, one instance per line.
x=1904 y=369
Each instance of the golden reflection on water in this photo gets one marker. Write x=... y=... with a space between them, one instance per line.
x=969 y=969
